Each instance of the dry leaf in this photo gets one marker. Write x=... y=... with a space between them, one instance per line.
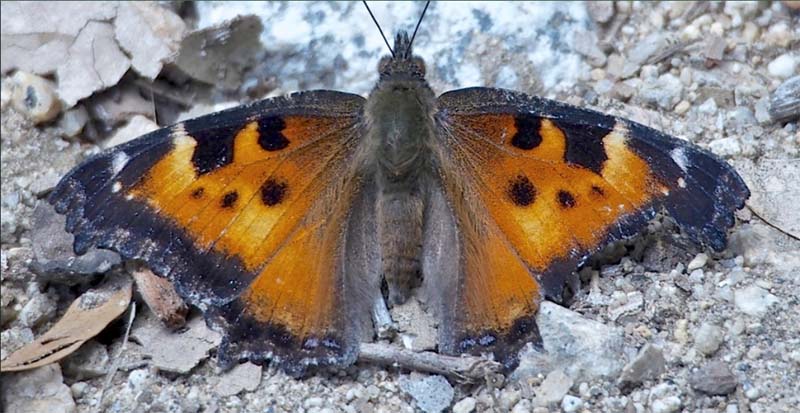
x=161 y=297
x=84 y=319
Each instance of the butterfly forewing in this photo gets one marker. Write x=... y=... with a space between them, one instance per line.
x=244 y=211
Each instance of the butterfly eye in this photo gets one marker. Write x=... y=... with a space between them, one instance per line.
x=383 y=65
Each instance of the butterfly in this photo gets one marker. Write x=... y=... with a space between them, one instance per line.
x=291 y=221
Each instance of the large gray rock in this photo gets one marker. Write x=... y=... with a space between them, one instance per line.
x=40 y=390
x=54 y=257
x=586 y=349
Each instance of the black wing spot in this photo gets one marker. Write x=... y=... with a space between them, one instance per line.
x=598 y=190
x=270 y=136
x=521 y=191
x=565 y=199
x=273 y=192
x=527 y=136
x=584 y=144
x=229 y=199
x=198 y=193
x=214 y=147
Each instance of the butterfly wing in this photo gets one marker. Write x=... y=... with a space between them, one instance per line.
x=536 y=186
x=245 y=211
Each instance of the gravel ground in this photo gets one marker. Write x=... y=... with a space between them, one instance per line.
x=659 y=325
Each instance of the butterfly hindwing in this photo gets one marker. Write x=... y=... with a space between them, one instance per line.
x=554 y=183
x=245 y=211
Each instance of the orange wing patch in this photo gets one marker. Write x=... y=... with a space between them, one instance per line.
x=546 y=206
x=247 y=207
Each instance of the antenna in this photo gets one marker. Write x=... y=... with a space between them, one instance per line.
x=379 y=26
x=428 y=3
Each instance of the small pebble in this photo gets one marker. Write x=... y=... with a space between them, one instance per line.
x=466 y=405
x=714 y=378
x=508 y=398
x=707 y=338
x=753 y=300
x=137 y=379
x=73 y=121
x=681 y=333
x=523 y=406
x=600 y=11
x=78 y=389
x=682 y=107
x=38 y=309
x=699 y=261
x=571 y=404
x=752 y=393
x=666 y=405
x=783 y=66
x=709 y=107
x=35 y=97
x=313 y=402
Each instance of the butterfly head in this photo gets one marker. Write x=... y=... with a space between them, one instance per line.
x=402 y=64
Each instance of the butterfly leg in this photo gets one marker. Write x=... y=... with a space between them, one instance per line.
x=382 y=320
x=363 y=266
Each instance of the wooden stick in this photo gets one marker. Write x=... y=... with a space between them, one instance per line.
x=467 y=369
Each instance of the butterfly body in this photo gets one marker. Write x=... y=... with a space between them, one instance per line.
x=281 y=219
x=399 y=115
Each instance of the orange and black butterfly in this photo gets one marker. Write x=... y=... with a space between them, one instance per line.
x=291 y=221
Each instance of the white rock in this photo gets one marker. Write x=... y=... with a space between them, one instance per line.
x=784 y=66
x=707 y=338
x=571 y=404
x=466 y=405
x=754 y=300
x=666 y=405
x=94 y=62
x=150 y=34
x=39 y=390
